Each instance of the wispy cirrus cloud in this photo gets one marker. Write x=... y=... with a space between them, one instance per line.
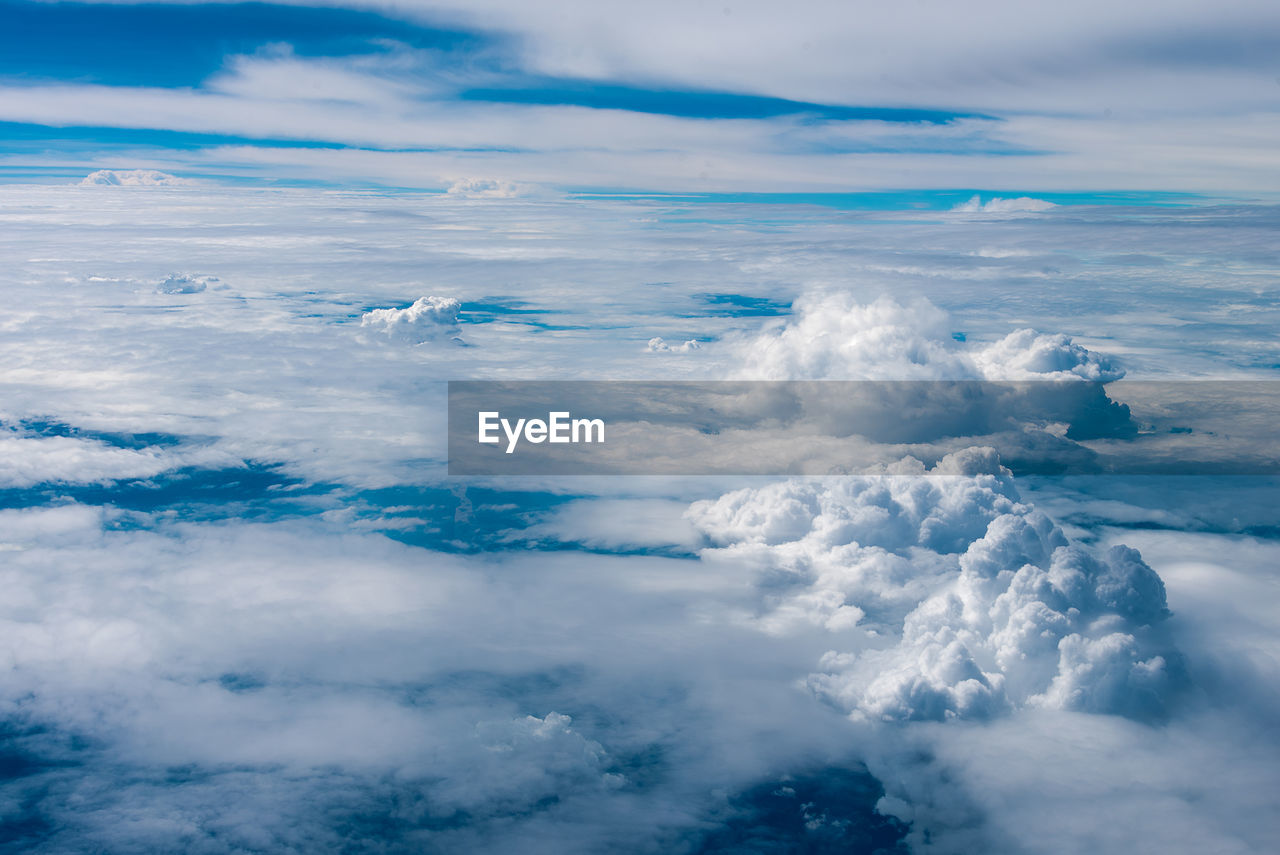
x=603 y=97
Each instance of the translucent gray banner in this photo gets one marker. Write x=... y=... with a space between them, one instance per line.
x=838 y=427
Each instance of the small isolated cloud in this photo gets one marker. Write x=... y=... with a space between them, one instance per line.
x=997 y=205
x=486 y=188
x=185 y=283
x=428 y=319
x=659 y=345
x=132 y=178
x=959 y=599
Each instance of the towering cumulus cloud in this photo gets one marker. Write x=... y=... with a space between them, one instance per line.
x=428 y=319
x=955 y=597
x=833 y=337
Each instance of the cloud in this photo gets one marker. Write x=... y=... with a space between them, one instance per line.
x=428 y=319
x=1028 y=355
x=831 y=336
x=997 y=205
x=659 y=345
x=185 y=283
x=963 y=600
x=822 y=53
x=1132 y=114
x=485 y=188
x=28 y=459
x=282 y=674
x=132 y=178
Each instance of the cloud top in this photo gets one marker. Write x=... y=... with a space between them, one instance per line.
x=185 y=283
x=831 y=336
x=997 y=205
x=485 y=188
x=428 y=319
x=658 y=344
x=132 y=178
x=959 y=599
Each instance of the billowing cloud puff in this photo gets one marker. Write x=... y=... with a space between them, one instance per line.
x=185 y=283
x=833 y=337
x=485 y=188
x=997 y=205
x=428 y=319
x=132 y=178
x=959 y=598
x=1028 y=355
x=659 y=345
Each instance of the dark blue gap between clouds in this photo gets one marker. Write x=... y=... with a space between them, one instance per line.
x=152 y=44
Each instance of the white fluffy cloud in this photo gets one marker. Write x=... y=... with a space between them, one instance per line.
x=485 y=188
x=132 y=178
x=28 y=460
x=997 y=205
x=834 y=337
x=301 y=682
x=185 y=283
x=657 y=344
x=963 y=600
x=428 y=319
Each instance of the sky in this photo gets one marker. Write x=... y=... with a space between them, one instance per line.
x=673 y=97
x=248 y=609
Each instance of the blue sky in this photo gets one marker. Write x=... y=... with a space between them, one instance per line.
x=1149 y=98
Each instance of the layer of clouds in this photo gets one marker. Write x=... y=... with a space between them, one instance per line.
x=303 y=682
x=1094 y=100
x=28 y=459
x=228 y=686
x=485 y=188
x=819 y=51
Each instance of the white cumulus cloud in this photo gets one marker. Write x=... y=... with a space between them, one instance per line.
x=132 y=178
x=185 y=283
x=485 y=188
x=998 y=205
x=657 y=344
x=959 y=599
x=428 y=319
x=834 y=337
